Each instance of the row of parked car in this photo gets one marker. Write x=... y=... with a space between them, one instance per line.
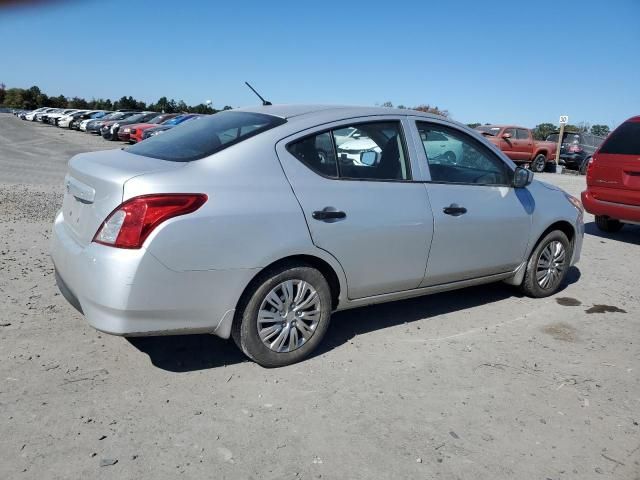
x=126 y=125
x=519 y=145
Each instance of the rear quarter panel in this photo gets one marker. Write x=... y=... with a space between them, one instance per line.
x=250 y=220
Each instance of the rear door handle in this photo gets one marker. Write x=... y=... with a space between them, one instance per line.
x=326 y=214
x=454 y=210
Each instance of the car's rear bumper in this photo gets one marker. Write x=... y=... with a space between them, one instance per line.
x=572 y=159
x=617 y=211
x=130 y=292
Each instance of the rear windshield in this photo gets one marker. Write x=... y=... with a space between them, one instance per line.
x=625 y=140
x=209 y=134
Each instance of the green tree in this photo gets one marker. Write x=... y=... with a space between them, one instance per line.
x=182 y=107
x=473 y=125
x=14 y=98
x=600 y=130
x=3 y=91
x=387 y=104
x=227 y=107
x=543 y=130
x=77 y=102
x=435 y=110
x=126 y=102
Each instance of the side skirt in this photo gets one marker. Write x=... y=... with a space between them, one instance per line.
x=509 y=277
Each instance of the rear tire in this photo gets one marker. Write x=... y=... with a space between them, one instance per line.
x=583 y=166
x=260 y=323
x=539 y=164
x=607 y=224
x=547 y=266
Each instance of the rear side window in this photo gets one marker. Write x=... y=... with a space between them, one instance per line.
x=205 y=136
x=625 y=140
x=365 y=151
x=523 y=134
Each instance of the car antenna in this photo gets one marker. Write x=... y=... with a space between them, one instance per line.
x=264 y=102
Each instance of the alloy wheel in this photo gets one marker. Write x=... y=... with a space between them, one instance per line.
x=551 y=265
x=288 y=315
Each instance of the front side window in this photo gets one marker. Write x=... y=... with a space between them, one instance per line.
x=210 y=134
x=454 y=157
x=510 y=131
x=365 y=151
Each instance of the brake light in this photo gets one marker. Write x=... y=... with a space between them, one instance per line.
x=592 y=160
x=129 y=225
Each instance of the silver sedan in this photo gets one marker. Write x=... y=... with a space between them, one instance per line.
x=253 y=224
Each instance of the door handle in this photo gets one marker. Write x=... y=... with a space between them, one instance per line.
x=326 y=214
x=454 y=210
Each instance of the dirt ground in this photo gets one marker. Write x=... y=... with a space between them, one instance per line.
x=476 y=384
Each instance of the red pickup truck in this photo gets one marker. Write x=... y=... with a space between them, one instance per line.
x=518 y=144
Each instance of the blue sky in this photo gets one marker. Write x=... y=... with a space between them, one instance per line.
x=497 y=61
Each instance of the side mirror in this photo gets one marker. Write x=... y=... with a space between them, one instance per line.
x=368 y=158
x=522 y=177
x=506 y=136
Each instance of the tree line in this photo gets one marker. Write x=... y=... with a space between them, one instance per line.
x=32 y=98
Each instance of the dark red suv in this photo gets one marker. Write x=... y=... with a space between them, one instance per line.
x=613 y=179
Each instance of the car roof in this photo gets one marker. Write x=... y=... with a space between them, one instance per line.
x=288 y=111
x=503 y=126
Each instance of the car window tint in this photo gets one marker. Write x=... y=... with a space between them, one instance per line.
x=510 y=131
x=375 y=151
x=317 y=153
x=368 y=151
x=460 y=158
x=522 y=134
x=210 y=134
x=625 y=140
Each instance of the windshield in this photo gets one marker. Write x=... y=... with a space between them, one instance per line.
x=210 y=134
x=176 y=120
x=137 y=117
x=488 y=130
x=567 y=137
x=156 y=119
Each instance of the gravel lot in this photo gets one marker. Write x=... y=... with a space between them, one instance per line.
x=474 y=384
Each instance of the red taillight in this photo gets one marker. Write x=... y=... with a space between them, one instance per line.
x=130 y=224
x=590 y=164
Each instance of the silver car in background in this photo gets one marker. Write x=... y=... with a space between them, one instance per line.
x=250 y=224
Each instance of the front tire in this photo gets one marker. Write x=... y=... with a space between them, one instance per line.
x=547 y=266
x=539 y=163
x=607 y=224
x=283 y=316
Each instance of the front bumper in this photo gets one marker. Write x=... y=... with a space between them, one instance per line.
x=131 y=293
x=617 y=211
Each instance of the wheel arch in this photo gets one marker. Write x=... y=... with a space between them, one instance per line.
x=324 y=267
x=563 y=225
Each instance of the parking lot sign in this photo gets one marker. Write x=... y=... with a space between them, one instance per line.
x=564 y=119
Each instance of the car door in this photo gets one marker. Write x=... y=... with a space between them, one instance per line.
x=508 y=145
x=481 y=223
x=524 y=145
x=363 y=207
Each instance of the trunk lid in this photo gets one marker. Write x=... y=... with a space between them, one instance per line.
x=94 y=187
